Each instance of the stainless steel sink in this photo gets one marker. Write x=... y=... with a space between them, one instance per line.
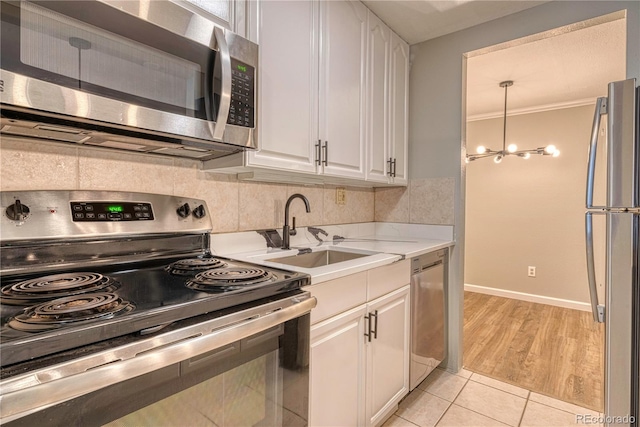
x=319 y=258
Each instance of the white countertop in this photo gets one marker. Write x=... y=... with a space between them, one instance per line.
x=406 y=247
x=380 y=250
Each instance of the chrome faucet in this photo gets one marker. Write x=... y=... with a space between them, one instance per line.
x=286 y=231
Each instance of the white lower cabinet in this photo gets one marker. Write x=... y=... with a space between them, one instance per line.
x=388 y=355
x=360 y=363
x=337 y=370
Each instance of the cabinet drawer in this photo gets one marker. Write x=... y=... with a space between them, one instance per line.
x=339 y=295
x=383 y=280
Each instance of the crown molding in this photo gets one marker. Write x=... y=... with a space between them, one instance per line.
x=530 y=110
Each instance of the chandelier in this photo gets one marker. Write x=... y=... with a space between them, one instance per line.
x=511 y=149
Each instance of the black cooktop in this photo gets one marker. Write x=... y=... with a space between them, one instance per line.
x=46 y=314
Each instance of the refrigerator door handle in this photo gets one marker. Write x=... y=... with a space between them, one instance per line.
x=601 y=108
x=596 y=309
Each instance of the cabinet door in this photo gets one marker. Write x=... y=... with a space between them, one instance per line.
x=337 y=367
x=399 y=114
x=343 y=54
x=287 y=99
x=388 y=355
x=221 y=12
x=377 y=136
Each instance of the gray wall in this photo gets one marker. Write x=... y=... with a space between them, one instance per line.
x=436 y=129
x=529 y=212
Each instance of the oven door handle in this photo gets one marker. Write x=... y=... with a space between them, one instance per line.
x=225 y=95
x=30 y=399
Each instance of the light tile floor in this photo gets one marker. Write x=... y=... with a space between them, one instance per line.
x=469 y=399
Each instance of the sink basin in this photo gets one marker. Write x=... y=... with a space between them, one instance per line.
x=319 y=258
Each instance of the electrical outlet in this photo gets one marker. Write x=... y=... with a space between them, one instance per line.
x=531 y=271
x=341 y=196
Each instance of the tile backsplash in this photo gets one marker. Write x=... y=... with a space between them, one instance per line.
x=424 y=201
x=234 y=205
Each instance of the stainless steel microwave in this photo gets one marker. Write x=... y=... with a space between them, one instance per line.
x=153 y=76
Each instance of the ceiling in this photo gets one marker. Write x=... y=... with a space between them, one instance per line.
x=419 y=20
x=564 y=67
x=567 y=68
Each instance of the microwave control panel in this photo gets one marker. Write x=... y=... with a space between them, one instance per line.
x=111 y=211
x=241 y=111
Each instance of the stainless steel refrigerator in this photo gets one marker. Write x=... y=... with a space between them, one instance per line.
x=619 y=309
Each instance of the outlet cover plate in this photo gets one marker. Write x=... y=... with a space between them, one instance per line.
x=341 y=196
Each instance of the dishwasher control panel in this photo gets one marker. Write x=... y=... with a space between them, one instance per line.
x=425 y=261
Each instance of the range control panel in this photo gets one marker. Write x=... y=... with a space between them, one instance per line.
x=241 y=110
x=111 y=211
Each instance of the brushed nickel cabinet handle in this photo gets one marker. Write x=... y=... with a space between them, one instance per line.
x=318 y=153
x=326 y=153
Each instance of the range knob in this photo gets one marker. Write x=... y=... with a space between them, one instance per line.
x=17 y=211
x=199 y=212
x=184 y=211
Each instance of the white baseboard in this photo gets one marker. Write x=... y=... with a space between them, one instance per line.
x=576 y=305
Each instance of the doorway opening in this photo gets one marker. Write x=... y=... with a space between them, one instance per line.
x=532 y=327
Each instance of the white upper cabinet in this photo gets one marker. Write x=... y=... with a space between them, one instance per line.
x=332 y=94
x=288 y=91
x=378 y=155
x=234 y=15
x=311 y=87
x=221 y=12
x=387 y=103
x=343 y=41
x=399 y=113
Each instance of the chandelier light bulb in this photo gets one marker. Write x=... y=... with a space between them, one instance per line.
x=481 y=149
x=498 y=158
x=526 y=156
x=556 y=153
x=512 y=148
x=550 y=149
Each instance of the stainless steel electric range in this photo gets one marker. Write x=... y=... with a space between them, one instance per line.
x=114 y=312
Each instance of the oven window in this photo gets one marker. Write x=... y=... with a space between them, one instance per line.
x=108 y=53
x=244 y=396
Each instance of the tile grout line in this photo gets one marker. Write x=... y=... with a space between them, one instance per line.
x=409 y=421
x=461 y=388
x=529 y=395
x=486 y=416
x=499 y=389
x=526 y=403
x=443 y=414
x=454 y=398
x=563 y=410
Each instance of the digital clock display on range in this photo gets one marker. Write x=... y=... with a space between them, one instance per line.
x=111 y=211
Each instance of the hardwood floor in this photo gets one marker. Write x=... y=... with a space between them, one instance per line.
x=550 y=350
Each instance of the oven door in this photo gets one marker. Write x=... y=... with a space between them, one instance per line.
x=246 y=368
x=144 y=66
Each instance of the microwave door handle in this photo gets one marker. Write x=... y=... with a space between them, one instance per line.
x=225 y=96
x=601 y=108
x=596 y=309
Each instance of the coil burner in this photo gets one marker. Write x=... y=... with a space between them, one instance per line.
x=231 y=278
x=70 y=310
x=191 y=266
x=41 y=289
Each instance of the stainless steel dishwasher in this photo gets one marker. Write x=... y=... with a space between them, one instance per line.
x=428 y=287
